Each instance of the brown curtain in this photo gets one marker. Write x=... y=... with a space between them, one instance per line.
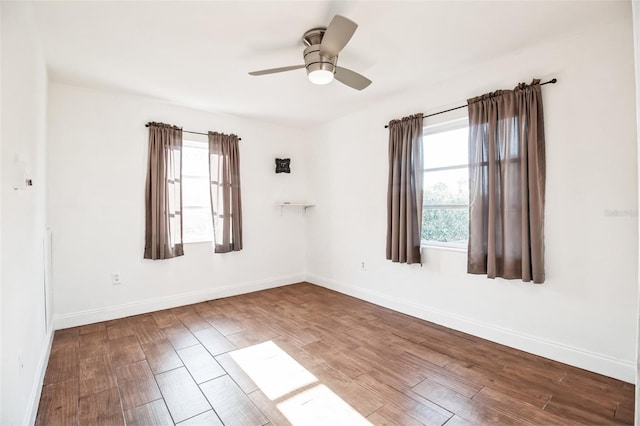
x=226 y=205
x=404 y=194
x=507 y=184
x=163 y=198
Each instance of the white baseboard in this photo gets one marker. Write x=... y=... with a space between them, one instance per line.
x=149 y=305
x=36 y=389
x=588 y=360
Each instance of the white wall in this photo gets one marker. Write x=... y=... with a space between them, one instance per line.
x=97 y=169
x=24 y=338
x=586 y=312
x=636 y=45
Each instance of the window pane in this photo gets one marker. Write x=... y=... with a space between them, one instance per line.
x=197 y=225
x=195 y=161
x=446 y=187
x=445 y=225
x=448 y=148
x=196 y=202
x=195 y=192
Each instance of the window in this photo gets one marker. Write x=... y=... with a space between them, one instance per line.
x=196 y=199
x=445 y=213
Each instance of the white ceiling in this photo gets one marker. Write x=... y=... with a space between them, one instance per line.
x=198 y=54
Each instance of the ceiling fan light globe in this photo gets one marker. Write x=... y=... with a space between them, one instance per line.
x=321 y=77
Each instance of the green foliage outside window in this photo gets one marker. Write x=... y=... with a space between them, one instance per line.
x=442 y=224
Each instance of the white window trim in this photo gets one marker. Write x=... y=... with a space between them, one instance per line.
x=432 y=130
x=194 y=144
x=458 y=123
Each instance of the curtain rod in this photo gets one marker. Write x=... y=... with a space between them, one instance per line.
x=194 y=133
x=552 y=81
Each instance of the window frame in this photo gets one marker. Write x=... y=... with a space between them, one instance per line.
x=202 y=145
x=433 y=129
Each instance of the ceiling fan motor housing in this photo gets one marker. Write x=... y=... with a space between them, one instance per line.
x=313 y=60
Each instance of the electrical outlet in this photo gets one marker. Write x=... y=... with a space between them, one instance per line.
x=363 y=267
x=116 y=278
x=20 y=362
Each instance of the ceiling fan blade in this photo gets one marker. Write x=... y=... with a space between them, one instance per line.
x=351 y=78
x=275 y=70
x=337 y=35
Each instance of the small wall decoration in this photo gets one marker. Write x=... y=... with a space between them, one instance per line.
x=282 y=165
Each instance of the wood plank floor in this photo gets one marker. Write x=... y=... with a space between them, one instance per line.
x=302 y=354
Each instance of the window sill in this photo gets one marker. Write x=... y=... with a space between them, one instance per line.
x=443 y=247
x=197 y=242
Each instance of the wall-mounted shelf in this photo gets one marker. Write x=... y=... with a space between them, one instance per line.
x=302 y=205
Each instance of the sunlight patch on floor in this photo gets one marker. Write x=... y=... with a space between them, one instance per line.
x=283 y=380
x=272 y=369
x=320 y=406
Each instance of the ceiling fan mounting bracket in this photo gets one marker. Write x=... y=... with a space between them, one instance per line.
x=313 y=36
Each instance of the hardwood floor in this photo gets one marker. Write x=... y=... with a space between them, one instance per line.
x=302 y=354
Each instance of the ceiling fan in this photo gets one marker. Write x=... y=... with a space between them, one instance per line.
x=321 y=55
